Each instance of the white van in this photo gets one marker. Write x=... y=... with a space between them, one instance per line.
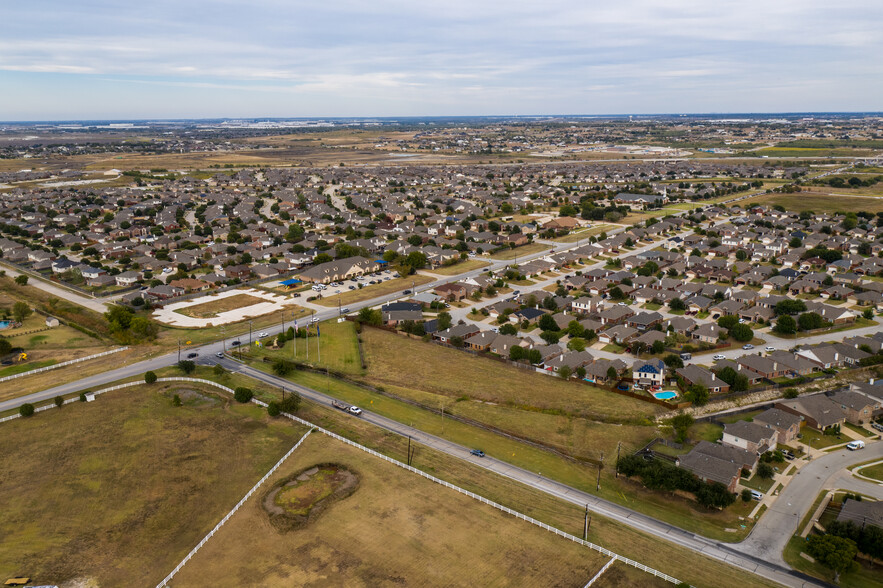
x=756 y=495
x=854 y=445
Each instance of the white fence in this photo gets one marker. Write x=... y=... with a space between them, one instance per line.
x=62 y=364
x=232 y=512
x=396 y=462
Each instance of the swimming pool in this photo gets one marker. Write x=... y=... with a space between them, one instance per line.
x=665 y=395
x=5 y=325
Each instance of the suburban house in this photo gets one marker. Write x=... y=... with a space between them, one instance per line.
x=649 y=373
x=694 y=374
x=749 y=436
x=711 y=462
x=859 y=408
x=462 y=331
x=817 y=411
x=339 y=269
x=786 y=424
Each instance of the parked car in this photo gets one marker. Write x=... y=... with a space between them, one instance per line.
x=877 y=426
x=686 y=356
x=748 y=346
x=192 y=354
x=315 y=319
x=220 y=354
x=477 y=452
x=718 y=356
x=235 y=344
x=770 y=348
x=756 y=495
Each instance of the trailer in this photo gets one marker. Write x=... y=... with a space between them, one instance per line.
x=348 y=408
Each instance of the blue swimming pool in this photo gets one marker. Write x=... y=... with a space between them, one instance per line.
x=5 y=325
x=665 y=395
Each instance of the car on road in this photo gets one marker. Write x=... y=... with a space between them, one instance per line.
x=263 y=334
x=748 y=346
x=352 y=287
x=315 y=319
x=622 y=304
x=770 y=348
x=717 y=357
x=477 y=452
x=355 y=410
x=220 y=354
x=235 y=344
x=855 y=445
x=344 y=310
x=192 y=354
x=406 y=292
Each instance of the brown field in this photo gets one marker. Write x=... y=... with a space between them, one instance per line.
x=459 y=268
x=123 y=513
x=396 y=529
x=373 y=291
x=818 y=202
x=521 y=251
x=214 y=307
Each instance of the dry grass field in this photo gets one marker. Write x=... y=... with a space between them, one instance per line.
x=520 y=251
x=817 y=202
x=372 y=291
x=396 y=529
x=215 y=307
x=459 y=268
x=117 y=491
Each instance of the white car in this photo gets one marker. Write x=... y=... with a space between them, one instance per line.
x=770 y=348
x=718 y=356
x=263 y=334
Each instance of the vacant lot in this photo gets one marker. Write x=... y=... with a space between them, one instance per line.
x=339 y=348
x=818 y=203
x=396 y=529
x=372 y=291
x=520 y=251
x=411 y=363
x=123 y=513
x=459 y=268
x=215 y=307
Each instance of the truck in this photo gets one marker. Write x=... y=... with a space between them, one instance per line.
x=348 y=408
x=855 y=445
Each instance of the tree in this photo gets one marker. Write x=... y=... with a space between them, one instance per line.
x=677 y=304
x=243 y=395
x=508 y=329
x=746 y=495
x=59 y=401
x=176 y=400
x=273 y=408
x=673 y=361
x=681 y=424
x=576 y=344
x=444 y=321
x=786 y=325
x=728 y=322
x=516 y=353
x=550 y=337
x=611 y=373
x=795 y=242
x=715 y=495
x=790 y=306
x=868 y=314
x=833 y=552
x=657 y=347
x=26 y=409
x=616 y=293
x=187 y=366
x=765 y=471
x=697 y=394
x=21 y=311
x=810 y=320
x=534 y=356
x=219 y=370
x=283 y=367
x=742 y=333
x=5 y=346
x=21 y=280
x=149 y=378
x=565 y=372
x=547 y=323
x=574 y=329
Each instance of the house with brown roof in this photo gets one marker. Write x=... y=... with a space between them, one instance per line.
x=817 y=411
x=786 y=424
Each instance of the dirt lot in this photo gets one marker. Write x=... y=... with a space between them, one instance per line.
x=396 y=530
x=124 y=512
x=215 y=307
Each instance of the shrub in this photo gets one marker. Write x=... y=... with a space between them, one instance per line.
x=187 y=366
x=149 y=378
x=291 y=403
x=746 y=495
x=59 y=401
x=26 y=409
x=765 y=471
x=273 y=409
x=283 y=367
x=82 y=397
x=791 y=393
x=176 y=400
x=243 y=394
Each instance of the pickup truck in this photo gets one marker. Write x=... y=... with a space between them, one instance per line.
x=353 y=410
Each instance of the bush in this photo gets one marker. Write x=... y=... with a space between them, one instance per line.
x=742 y=333
x=746 y=495
x=21 y=280
x=149 y=377
x=176 y=400
x=291 y=403
x=82 y=397
x=59 y=401
x=273 y=409
x=26 y=409
x=283 y=367
x=791 y=393
x=765 y=471
x=219 y=370
x=187 y=366
x=243 y=394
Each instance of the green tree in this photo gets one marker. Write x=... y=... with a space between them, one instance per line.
x=243 y=395
x=657 y=347
x=176 y=400
x=673 y=361
x=547 y=323
x=21 y=311
x=790 y=306
x=273 y=408
x=283 y=367
x=681 y=424
x=697 y=394
x=576 y=344
x=534 y=356
x=565 y=372
x=508 y=329
x=786 y=325
x=59 y=401
x=5 y=346
x=550 y=337
x=677 y=304
x=765 y=471
x=742 y=333
x=444 y=321
x=809 y=321
x=26 y=409
x=219 y=370
x=746 y=495
x=21 y=280
x=836 y=553
x=616 y=293
x=728 y=322
x=611 y=373
x=516 y=353
x=187 y=366
x=149 y=377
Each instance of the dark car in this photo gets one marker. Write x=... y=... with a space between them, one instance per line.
x=477 y=452
x=192 y=355
x=406 y=292
x=235 y=344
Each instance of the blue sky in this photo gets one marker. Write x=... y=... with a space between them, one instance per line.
x=281 y=58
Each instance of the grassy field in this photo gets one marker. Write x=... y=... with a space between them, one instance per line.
x=396 y=529
x=124 y=513
x=49 y=304
x=864 y=577
x=582 y=234
x=875 y=472
x=214 y=307
x=672 y=560
x=817 y=203
x=339 y=348
x=459 y=268
x=374 y=290
x=520 y=251
x=410 y=363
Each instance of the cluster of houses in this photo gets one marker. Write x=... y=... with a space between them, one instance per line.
x=744 y=442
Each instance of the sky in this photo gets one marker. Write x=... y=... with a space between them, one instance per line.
x=158 y=59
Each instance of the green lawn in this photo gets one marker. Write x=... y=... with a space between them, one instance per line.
x=818 y=440
x=875 y=472
x=860 y=430
x=758 y=483
x=25 y=367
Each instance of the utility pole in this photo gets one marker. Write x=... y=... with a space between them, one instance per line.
x=618 y=447
x=249 y=336
x=224 y=337
x=600 y=465
x=409 y=450
x=586 y=525
x=179 y=351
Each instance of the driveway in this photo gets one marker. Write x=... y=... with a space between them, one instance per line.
x=60 y=292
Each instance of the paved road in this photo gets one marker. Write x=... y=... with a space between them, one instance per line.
x=779 y=523
x=598 y=505
x=60 y=292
